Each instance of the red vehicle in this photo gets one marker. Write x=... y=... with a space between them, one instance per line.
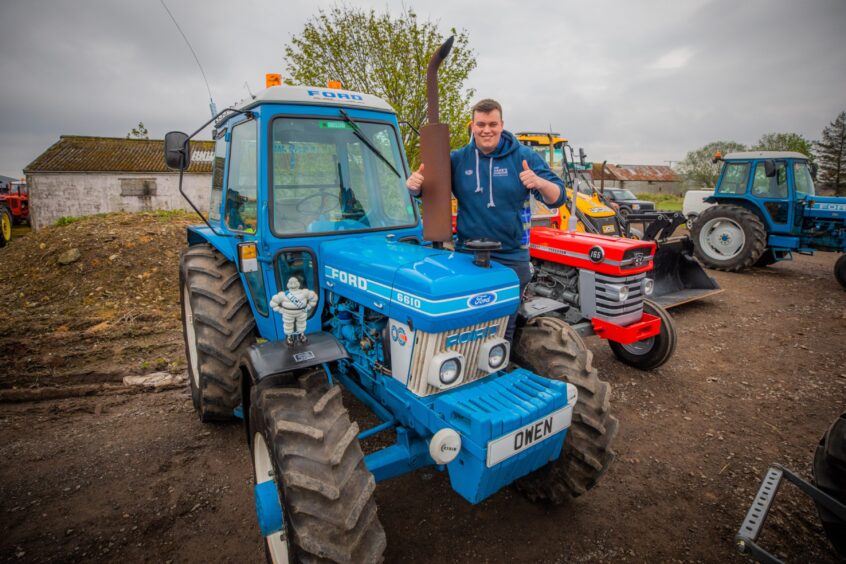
x=14 y=196
x=600 y=285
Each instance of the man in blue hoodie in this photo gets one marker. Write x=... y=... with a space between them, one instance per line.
x=492 y=178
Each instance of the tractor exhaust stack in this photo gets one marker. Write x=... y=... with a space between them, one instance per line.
x=434 y=153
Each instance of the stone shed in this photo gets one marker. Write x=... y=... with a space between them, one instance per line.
x=80 y=176
x=640 y=179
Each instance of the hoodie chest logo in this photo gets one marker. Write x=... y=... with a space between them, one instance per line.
x=469 y=172
x=500 y=171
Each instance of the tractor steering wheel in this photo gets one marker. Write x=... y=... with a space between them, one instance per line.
x=328 y=202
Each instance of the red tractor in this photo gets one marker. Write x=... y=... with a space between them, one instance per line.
x=14 y=196
x=599 y=285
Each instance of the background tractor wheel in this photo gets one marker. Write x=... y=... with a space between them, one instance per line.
x=218 y=326
x=830 y=477
x=727 y=237
x=5 y=226
x=840 y=270
x=652 y=352
x=304 y=442
x=550 y=347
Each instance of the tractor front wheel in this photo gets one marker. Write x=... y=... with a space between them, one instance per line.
x=5 y=225
x=652 y=352
x=840 y=270
x=550 y=347
x=830 y=477
x=218 y=326
x=730 y=238
x=314 y=495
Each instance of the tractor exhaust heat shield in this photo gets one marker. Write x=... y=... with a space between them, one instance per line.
x=434 y=153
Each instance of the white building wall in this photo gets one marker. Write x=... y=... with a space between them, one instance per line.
x=55 y=195
x=644 y=187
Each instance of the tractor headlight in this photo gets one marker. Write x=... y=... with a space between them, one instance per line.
x=635 y=206
x=648 y=286
x=617 y=292
x=493 y=354
x=446 y=370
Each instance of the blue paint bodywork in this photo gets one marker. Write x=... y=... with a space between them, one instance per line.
x=363 y=278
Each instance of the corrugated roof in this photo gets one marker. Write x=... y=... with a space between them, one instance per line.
x=74 y=153
x=654 y=173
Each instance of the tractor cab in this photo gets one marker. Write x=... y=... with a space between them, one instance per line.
x=777 y=184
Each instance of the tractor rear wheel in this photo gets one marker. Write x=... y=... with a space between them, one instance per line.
x=303 y=442
x=840 y=270
x=550 y=347
x=830 y=477
x=727 y=237
x=652 y=352
x=5 y=225
x=218 y=326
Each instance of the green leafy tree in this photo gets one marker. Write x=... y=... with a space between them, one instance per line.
x=387 y=57
x=785 y=142
x=831 y=155
x=139 y=132
x=697 y=167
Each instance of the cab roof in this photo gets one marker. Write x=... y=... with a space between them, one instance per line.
x=750 y=155
x=315 y=95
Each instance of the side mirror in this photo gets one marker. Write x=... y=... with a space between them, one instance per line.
x=814 y=169
x=177 y=150
x=582 y=156
x=769 y=168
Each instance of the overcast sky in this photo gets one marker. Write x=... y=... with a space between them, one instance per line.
x=631 y=82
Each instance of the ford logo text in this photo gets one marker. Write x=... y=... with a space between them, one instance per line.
x=480 y=300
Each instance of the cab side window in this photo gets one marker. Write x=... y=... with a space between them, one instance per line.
x=241 y=189
x=734 y=178
x=773 y=187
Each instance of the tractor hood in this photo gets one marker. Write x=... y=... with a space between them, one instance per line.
x=826 y=207
x=430 y=289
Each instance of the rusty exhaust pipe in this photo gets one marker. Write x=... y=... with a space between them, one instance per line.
x=434 y=153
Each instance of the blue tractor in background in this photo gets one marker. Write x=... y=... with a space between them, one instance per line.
x=766 y=208
x=309 y=186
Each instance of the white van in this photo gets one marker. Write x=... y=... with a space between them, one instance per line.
x=694 y=205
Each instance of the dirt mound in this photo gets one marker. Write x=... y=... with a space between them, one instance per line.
x=92 y=300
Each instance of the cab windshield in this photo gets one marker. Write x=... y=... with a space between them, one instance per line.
x=804 y=180
x=324 y=179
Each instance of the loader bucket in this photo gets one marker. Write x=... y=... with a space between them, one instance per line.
x=678 y=277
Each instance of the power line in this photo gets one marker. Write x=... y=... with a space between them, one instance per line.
x=211 y=100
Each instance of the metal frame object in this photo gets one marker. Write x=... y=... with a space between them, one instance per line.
x=753 y=523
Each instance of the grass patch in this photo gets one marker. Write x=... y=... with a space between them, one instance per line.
x=664 y=202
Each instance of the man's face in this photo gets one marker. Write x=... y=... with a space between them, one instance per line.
x=487 y=130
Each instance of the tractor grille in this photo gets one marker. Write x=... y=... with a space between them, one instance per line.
x=427 y=345
x=596 y=301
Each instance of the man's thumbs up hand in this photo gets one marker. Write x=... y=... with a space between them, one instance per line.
x=529 y=179
x=415 y=181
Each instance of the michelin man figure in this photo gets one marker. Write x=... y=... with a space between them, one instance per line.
x=294 y=305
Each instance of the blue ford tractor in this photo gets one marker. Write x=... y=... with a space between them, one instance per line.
x=309 y=216
x=766 y=208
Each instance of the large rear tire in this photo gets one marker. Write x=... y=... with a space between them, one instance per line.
x=830 y=477
x=840 y=270
x=727 y=237
x=652 y=352
x=550 y=347
x=5 y=225
x=218 y=327
x=303 y=440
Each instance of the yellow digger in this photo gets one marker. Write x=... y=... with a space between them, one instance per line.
x=678 y=277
